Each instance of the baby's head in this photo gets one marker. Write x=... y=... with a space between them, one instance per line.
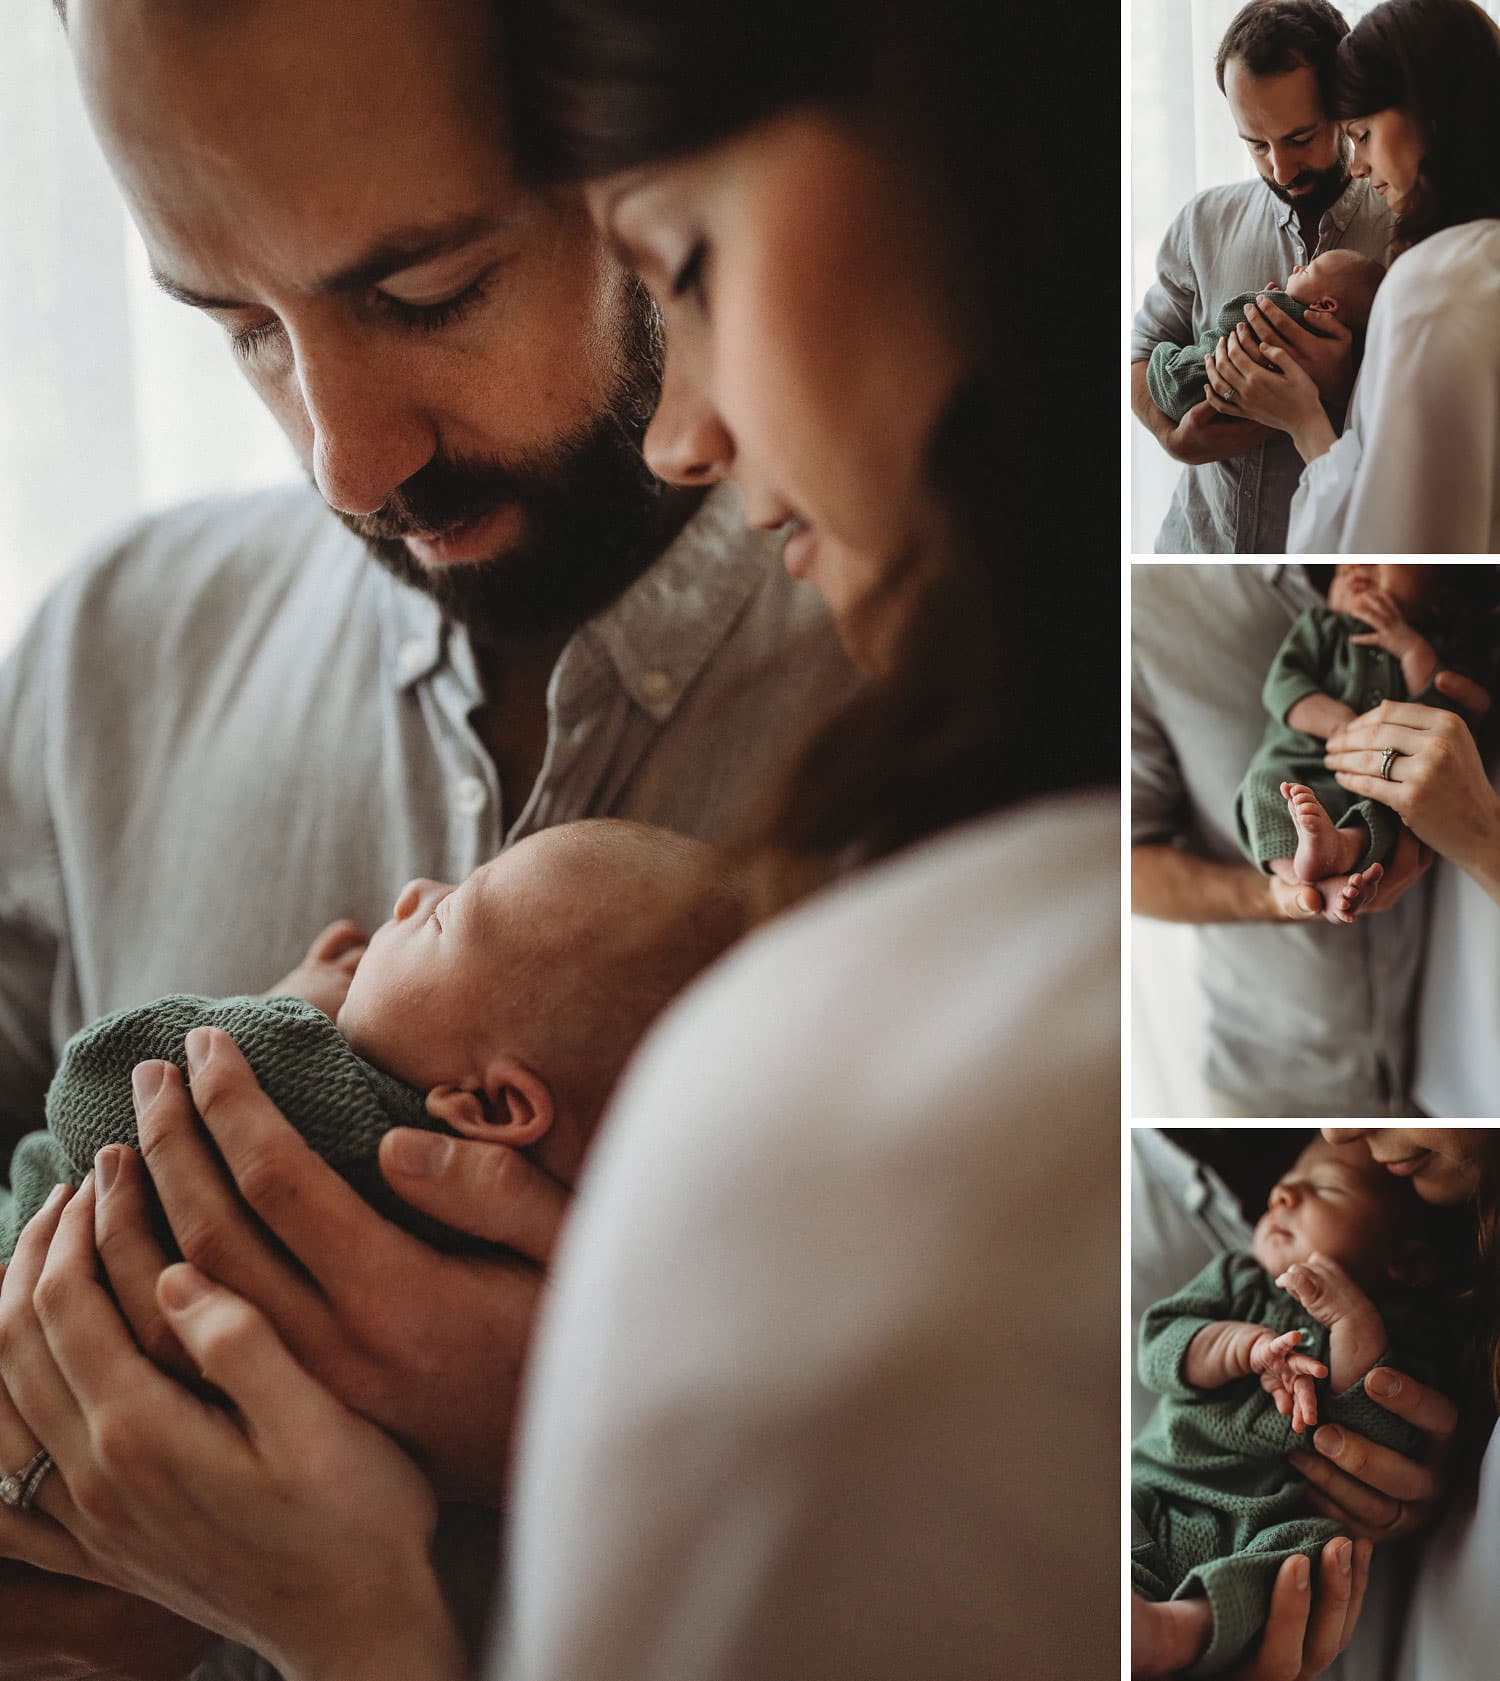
x=515 y=999
x=1342 y=282
x=1335 y=1201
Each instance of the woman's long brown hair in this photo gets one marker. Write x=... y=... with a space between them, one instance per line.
x=1006 y=681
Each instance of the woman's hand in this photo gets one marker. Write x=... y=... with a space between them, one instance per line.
x=426 y=1345
x=1373 y=1491
x=1325 y=356
x=1273 y=390
x=1437 y=784
x=1306 y=1630
x=281 y=1520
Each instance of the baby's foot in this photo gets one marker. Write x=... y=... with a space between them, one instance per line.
x=1346 y=899
x=1322 y=850
x=1168 y=1637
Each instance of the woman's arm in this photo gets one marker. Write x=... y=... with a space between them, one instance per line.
x=1437 y=781
x=284 y=1521
x=1277 y=392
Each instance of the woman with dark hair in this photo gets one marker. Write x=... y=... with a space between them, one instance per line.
x=1417 y=468
x=828 y=1379
x=1451 y=1624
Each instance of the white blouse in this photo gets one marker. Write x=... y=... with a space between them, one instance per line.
x=1417 y=470
x=828 y=1383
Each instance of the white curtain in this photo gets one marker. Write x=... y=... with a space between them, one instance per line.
x=113 y=399
x=1181 y=141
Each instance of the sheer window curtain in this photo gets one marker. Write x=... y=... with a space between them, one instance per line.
x=113 y=400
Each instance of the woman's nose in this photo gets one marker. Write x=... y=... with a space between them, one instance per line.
x=411 y=896
x=686 y=442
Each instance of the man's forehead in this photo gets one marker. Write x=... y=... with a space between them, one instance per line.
x=1273 y=107
x=272 y=129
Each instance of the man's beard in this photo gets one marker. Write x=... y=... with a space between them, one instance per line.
x=1327 y=186
x=589 y=507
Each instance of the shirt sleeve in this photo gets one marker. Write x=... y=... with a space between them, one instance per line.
x=1166 y=312
x=1416 y=471
x=1158 y=801
x=1221 y=1291
x=1299 y=665
x=32 y=919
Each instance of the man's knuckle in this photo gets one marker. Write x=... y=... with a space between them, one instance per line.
x=205 y=1242
x=265 y=1179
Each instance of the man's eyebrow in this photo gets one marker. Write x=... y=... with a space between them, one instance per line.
x=1291 y=134
x=403 y=249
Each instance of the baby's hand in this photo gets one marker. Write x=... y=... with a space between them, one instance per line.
x=1287 y=1377
x=1391 y=630
x=322 y=977
x=1324 y=1289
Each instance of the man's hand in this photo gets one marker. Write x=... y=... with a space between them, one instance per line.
x=428 y=1346
x=322 y=977
x=1294 y=901
x=58 y=1628
x=1308 y=1628
x=1328 y=361
x=1371 y=1490
x=1204 y=435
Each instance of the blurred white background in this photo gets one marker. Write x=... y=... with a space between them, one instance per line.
x=1182 y=140
x=115 y=400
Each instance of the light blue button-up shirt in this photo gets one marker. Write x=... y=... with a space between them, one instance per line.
x=1227 y=240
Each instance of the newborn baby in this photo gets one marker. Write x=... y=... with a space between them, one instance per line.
x=1338 y=1281
x=1294 y=820
x=502 y=1009
x=1341 y=282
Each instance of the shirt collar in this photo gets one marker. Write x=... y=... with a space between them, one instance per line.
x=660 y=633
x=672 y=620
x=1338 y=216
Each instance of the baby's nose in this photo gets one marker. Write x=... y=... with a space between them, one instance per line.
x=1282 y=1196
x=411 y=896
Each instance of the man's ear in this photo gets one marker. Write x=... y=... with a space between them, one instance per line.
x=509 y=1105
x=1416 y=1263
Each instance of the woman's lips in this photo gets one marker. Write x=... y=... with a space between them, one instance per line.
x=1407 y=1165
x=478 y=540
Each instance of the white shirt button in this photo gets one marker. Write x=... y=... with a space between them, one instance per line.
x=469 y=795
x=411 y=657
x=657 y=686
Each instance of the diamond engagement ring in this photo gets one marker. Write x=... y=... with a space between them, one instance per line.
x=19 y=1489
x=1389 y=758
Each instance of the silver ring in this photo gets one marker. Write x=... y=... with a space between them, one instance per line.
x=1227 y=395
x=19 y=1490
x=1387 y=760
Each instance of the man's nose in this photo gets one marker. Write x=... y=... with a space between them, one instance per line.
x=368 y=437
x=415 y=894
x=686 y=442
x=1285 y=166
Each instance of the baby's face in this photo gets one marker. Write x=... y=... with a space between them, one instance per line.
x=1334 y=1202
x=1410 y=587
x=1309 y=283
x=427 y=994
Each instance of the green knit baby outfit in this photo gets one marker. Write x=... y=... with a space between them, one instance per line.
x=1216 y=1507
x=1319 y=657
x=341 y=1104
x=1176 y=375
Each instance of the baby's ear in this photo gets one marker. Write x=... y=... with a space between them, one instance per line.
x=1415 y=1264
x=1329 y=305
x=509 y=1105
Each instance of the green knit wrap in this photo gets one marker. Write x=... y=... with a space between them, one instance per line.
x=341 y=1104
x=1319 y=657
x=1216 y=1507
x=1177 y=374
